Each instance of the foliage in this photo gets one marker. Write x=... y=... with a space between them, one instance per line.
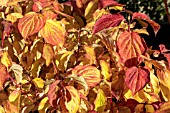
x=79 y=56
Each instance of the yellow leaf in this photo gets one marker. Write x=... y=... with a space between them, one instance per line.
x=149 y=109
x=74 y=103
x=39 y=83
x=2 y=109
x=14 y=95
x=42 y=107
x=116 y=8
x=48 y=54
x=6 y=59
x=90 y=54
x=100 y=101
x=13 y=17
x=53 y=32
x=155 y=82
x=105 y=69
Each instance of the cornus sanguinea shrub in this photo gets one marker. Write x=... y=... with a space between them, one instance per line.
x=79 y=56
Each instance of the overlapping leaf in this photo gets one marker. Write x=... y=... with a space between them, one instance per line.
x=90 y=73
x=142 y=16
x=106 y=21
x=53 y=33
x=3 y=76
x=30 y=24
x=136 y=78
x=130 y=46
x=105 y=3
x=74 y=103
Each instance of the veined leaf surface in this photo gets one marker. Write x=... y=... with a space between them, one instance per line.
x=53 y=33
x=30 y=24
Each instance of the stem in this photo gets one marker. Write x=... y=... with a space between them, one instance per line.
x=167 y=12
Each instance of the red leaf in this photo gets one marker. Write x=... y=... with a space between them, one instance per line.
x=52 y=93
x=30 y=24
x=142 y=16
x=3 y=76
x=105 y=3
x=165 y=52
x=131 y=45
x=136 y=78
x=106 y=21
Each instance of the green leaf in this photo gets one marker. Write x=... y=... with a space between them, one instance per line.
x=100 y=101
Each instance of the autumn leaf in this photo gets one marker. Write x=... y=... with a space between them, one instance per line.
x=165 y=52
x=3 y=76
x=90 y=73
x=52 y=93
x=90 y=54
x=2 y=109
x=100 y=101
x=105 y=69
x=48 y=54
x=42 y=107
x=14 y=95
x=131 y=45
x=74 y=103
x=164 y=108
x=30 y=24
x=39 y=82
x=106 y=21
x=143 y=16
x=13 y=17
x=136 y=78
x=6 y=59
x=53 y=33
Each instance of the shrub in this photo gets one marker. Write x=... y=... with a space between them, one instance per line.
x=79 y=56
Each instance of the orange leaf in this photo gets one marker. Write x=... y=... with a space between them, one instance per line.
x=130 y=46
x=30 y=24
x=53 y=32
x=48 y=54
x=90 y=73
x=3 y=75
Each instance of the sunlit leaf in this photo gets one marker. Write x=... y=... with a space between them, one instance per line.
x=52 y=93
x=13 y=17
x=90 y=73
x=18 y=71
x=106 y=21
x=48 y=53
x=105 y=69
x=100 y=101
x=74 y=103
x=39 y=82
x=53 y=32
x=149 y=109
x=90 y=54
x=131 y=45
x=4 y=2
x=42 y=105
x=143 y=16
x=80 y=3
x=6 y=59
x=30 y=24
x=14 y=95
x=2 y=109
x=136 y=78
x=3 y=76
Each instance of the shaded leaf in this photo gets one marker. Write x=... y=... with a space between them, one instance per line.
x=53 y=33
x=131 y=45
x=100 y=101
x=165 y=52
x=3 y=76
x=18 y=71
x=14 y=95
x=136 y=78
x=106 y=21
x=90 y=73
x=30 y=24
x=52 y=93
x=39 y=82
x=90 y=54
x=74 y=103
x=80 y=80
x=164 y=108
x=48 y=54
x=143 y=16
